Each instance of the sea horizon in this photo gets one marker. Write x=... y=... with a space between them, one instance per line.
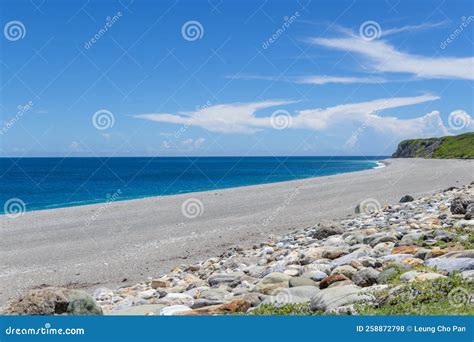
x=42 y=183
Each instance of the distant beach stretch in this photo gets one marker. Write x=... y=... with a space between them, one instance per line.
x=124 y=242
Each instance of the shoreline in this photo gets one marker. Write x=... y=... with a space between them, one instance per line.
x=378 y=164
x=132 y=240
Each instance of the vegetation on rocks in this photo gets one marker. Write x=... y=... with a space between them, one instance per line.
x=459 y=146
x=443 y=296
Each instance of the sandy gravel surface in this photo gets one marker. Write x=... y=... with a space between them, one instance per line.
x=125 y=242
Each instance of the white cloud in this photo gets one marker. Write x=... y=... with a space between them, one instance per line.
x=224 y=118
x=312 y=79
x=320 y=119
x=323 y=79
x=240 y=118
x=380 y=56
x=411 y=28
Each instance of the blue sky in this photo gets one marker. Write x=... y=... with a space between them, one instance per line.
x=232 y=78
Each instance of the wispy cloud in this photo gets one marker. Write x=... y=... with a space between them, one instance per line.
x=241 y=118
x=312 y=79
x=324 y=79
x=380 y=56
x=224 y=118
x=412 y=28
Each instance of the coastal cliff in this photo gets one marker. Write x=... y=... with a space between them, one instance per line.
x=459 y=146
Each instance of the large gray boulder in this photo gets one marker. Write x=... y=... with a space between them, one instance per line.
x=459 y=205
x=55 y=301
x=326 y=229
x=293 y=295
x=365 y=277
x=469 y=212
x=334 y=297
x=453 y=261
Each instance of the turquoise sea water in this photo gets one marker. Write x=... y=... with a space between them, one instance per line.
x=44 y=183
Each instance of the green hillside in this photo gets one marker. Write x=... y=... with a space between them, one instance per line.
x=458 y=146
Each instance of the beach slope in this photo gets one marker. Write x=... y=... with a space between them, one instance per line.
x=122 y=243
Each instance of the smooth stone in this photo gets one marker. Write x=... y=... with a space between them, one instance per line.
x=201 y=302
x=173 y=309
x=173 y=299
x=294 y=295
x=346 y=270
x=334 y=297
x=314 y=275
x=271 y=282
x=395 y=257
x=148 y=294
x=227 y=278
x=215 y=295
x=139 y=310
x=157 y=283
x=326 y=229
x=451 y=265
x=332 y=279
x=405 y=250
x=377 y=238
x=365 y=277
x=346 y=259
x=406 y=198
x=299 y=281
x=54 y=301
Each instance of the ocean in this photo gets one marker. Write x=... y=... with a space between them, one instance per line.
x=45 y=183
